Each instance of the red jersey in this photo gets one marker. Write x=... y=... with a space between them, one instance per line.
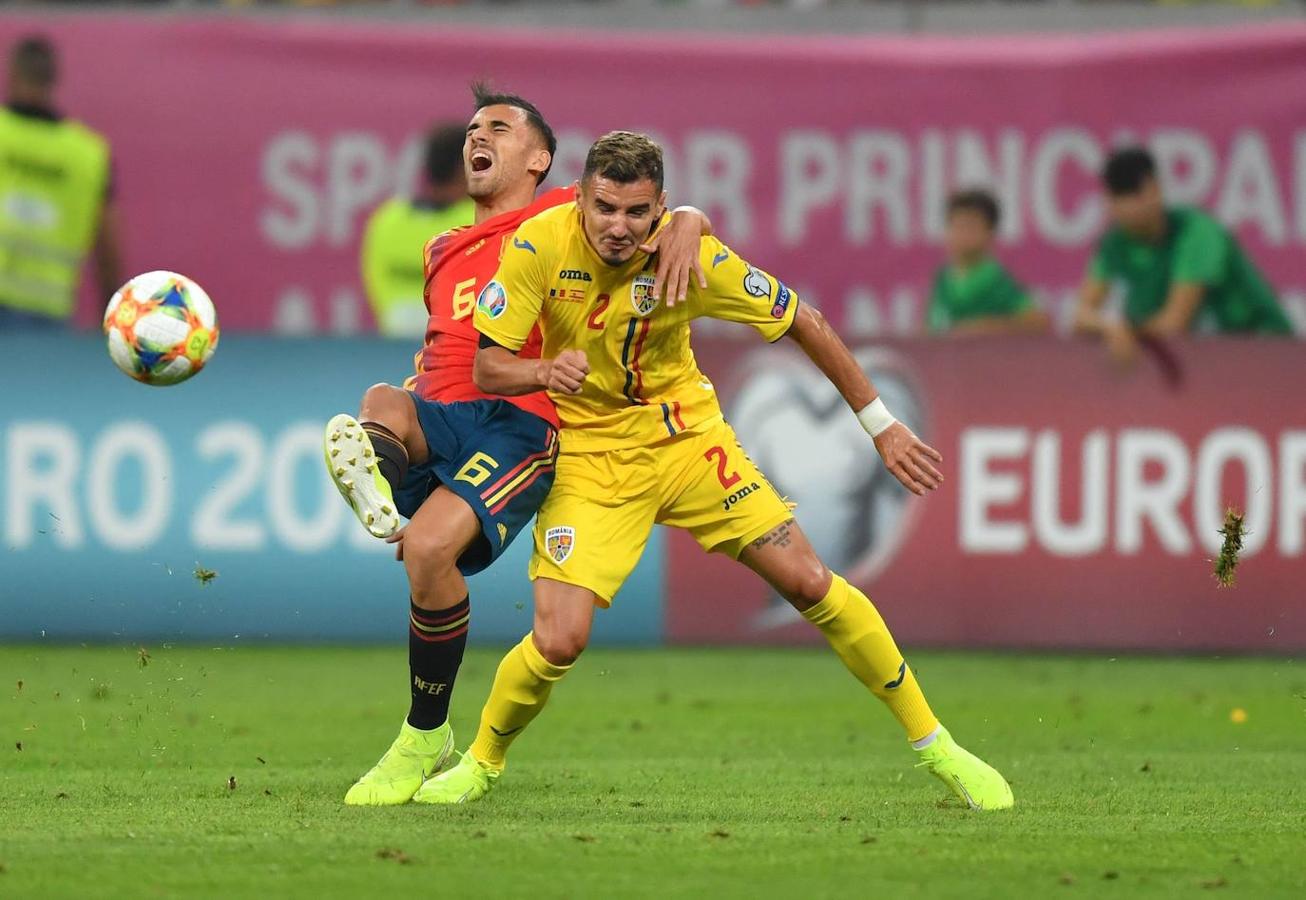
x=459 y=263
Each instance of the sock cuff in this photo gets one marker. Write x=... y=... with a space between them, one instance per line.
x=434 y=625
x=540 y=667
x=835 y=599
x=376 y=430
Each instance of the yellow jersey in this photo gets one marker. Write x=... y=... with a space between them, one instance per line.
x=644 y=385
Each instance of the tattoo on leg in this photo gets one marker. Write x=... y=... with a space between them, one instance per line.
x=780 y=536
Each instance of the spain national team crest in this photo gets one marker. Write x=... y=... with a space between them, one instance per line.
x=559 y=542
x=641 y=295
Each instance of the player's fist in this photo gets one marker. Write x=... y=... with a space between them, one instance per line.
x=566 y=372
x=909 y=459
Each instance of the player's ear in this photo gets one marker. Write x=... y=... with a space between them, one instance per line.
x=540 y=163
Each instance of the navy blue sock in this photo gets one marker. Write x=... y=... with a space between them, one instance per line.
x=436 y=641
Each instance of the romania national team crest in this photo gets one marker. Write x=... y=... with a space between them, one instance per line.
x=559 y=542
x=493 y=300
x=641 y=295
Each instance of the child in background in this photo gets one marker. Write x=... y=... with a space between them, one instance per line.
x=973 y=293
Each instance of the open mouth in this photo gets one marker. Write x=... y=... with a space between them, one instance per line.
x=481 y=161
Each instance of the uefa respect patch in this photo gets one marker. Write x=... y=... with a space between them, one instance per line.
x=492 y=300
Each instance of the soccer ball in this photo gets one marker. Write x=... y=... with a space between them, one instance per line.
x=162 y=328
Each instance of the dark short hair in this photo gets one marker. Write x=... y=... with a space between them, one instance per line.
x=975 y=200
x=1127 y=169
x=443 y=158
x=34 y=60
x=485 y=96
x=624 y=157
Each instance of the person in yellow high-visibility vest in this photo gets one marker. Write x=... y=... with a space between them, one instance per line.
x=56 y=199
x=393 y=268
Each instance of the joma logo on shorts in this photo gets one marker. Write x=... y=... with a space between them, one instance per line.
x=739 y=495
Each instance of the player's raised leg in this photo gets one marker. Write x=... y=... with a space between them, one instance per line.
x=564 y=614
x=368 y=459
x=850 y=622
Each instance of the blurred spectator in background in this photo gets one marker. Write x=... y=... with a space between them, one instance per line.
x=973 y=293
x=1181 y=269
x=56 y=198
x=396 y=233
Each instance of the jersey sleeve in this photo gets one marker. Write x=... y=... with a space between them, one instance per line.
x=738 y=292
x=509 y=306
x=1201 y=253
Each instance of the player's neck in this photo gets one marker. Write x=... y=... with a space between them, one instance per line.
x=507 y=201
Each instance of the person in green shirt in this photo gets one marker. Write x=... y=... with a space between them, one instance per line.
x=973 y=293
x=393 y=268
x=1181 y=269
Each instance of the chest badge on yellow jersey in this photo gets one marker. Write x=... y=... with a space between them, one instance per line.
x=641 y=295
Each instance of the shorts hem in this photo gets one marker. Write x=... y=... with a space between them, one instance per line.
x=599 y=599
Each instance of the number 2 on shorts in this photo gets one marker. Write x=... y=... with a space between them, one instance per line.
x=727 y=480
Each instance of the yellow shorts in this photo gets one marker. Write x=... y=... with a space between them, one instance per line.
x=593 y=527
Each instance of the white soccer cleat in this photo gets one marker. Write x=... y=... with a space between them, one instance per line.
x=351 y=462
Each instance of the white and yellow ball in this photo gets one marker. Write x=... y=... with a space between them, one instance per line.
x=162 y=328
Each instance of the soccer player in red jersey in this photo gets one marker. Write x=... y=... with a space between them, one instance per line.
x=467 y=469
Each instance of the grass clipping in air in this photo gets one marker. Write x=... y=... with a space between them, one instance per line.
x=1227 y=561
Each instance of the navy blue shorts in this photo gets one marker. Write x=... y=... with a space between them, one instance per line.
x=494 y=455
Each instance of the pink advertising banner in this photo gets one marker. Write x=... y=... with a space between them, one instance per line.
x=1082 y=507
x=250 y=151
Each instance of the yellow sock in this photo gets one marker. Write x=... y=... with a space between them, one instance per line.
x=858 y=634
x=521 y=687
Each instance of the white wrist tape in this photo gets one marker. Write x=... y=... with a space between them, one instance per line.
x=875 y=418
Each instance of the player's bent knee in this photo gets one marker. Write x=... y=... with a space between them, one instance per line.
x=806 y=585
x=388 y=405
x=432 y=551
x=562 y=646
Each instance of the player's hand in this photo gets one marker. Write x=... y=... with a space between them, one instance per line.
x=566 y=372
x=909 y=459
x=677 y=249
x=398 y=540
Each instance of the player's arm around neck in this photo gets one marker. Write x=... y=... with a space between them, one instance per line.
x=906 y=456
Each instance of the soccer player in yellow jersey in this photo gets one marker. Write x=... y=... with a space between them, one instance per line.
x=643 y=442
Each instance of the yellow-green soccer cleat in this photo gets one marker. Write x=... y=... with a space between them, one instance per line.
x=351 y=461
x=975 y=782
x=468 y=781
x=412 y=758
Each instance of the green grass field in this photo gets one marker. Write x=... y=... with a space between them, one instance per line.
x=652 y=774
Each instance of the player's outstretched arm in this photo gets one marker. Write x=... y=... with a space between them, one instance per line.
x=906 y=456
x=497 y=370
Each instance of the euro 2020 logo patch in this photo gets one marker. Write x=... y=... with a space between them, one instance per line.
x=641 y=295
x=493 y=300
x=560 y=541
